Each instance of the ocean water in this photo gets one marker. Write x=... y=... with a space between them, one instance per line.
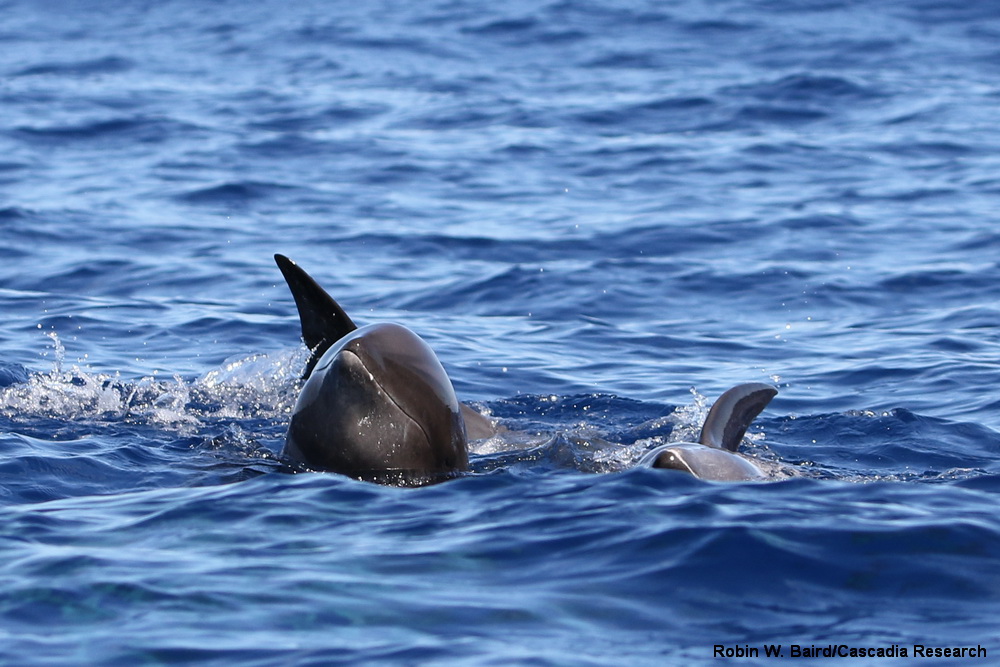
x=601 y=215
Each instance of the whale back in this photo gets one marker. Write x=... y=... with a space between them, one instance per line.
x=703 y=462
x=375 y=402
x=714 y=456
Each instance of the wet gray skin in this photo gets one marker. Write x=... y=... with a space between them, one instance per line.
x=376 y=403
x=378 y=400
x=714 y=456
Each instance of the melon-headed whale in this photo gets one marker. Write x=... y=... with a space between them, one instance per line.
x=715 y=456
x=376 y=403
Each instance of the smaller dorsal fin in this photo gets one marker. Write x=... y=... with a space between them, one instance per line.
x=323 y=321
x=732 y=413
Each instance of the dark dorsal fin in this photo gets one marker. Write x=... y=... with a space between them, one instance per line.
x=732 y=413
x=324 y=322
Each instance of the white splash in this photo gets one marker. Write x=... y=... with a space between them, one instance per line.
x=256 y=386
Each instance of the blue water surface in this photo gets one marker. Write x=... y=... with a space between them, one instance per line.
x=601 y=215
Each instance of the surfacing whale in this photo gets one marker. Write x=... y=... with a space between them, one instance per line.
x=376 y=404
x=714 y=456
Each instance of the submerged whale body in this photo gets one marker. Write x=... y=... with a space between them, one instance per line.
x=376 y=404
x=714 y=456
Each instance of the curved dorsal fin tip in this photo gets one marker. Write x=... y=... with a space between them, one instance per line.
x=732 y=413
x=322 y=319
